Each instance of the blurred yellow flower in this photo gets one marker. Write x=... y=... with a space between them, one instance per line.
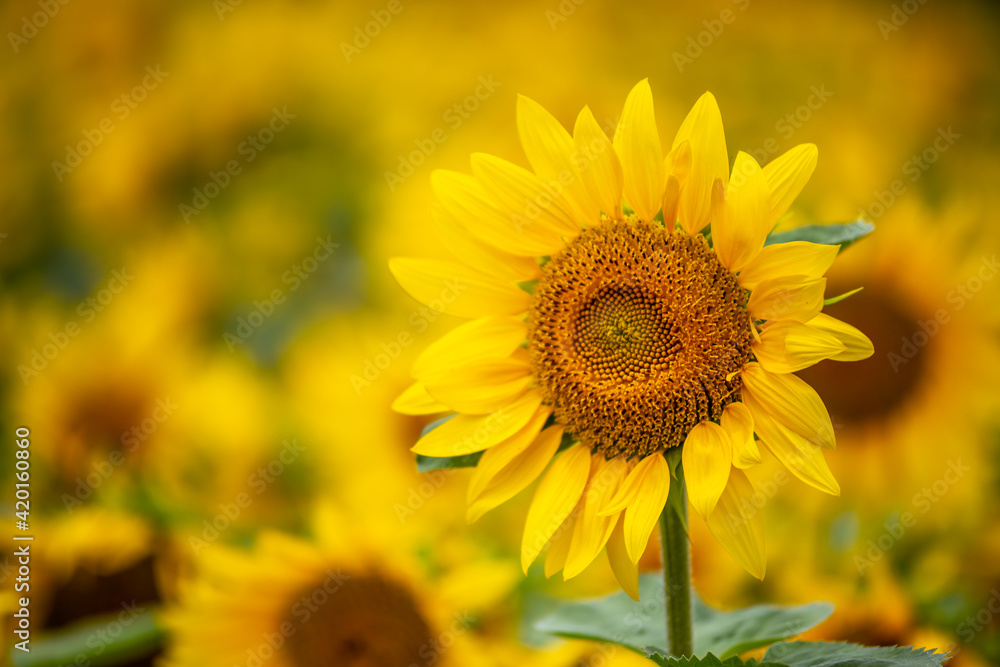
x=640 y=337
x=349 y=598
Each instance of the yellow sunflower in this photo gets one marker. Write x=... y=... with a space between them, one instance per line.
x=595 y=322
x=351 y=597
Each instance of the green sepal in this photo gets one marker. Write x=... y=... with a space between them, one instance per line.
x=429 y=463
x=837 y=299
x=838 y=654
x=843 y=234
x=635 y=625
x=675 y=498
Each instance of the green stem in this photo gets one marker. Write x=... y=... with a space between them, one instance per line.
x=677 y=574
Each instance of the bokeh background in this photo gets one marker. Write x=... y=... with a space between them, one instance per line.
x=199 y=199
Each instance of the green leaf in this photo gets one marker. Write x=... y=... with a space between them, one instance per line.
x=635 y=625
x=93 y=642
x=659 y=657
x=429 y=463
x=839 y=234
x=837 y=299
x=836 y=654
x=733 y=632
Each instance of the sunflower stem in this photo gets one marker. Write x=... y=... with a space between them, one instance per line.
x=677 y=574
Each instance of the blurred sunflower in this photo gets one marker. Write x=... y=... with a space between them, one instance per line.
x=916 y=417
x=629 y=336
x=352 y=597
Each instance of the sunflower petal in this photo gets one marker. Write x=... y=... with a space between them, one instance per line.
x=803 y=458
x=477 y=390
x=592 y=528
x=737 y=421
x=456 y=289
x=555 y=498
x=625 y=569
x=638 y=145
x=522 y=194
x=786 y=346
x=709 y=162
x=550 y=151
x=643 y=513
x=466 y=434
x=464 y=197
x=741 y=226
x=791 y=298
x=496 y=458
x=555 y=559
x=416 y=401
x=795 y=258
x=471 y=251
x=739 y=525
x=707 y=456
x=857 y=346
x=787 y=175
x=516 y=474
x=598 y=165
x=481 y=341
x=791 y=401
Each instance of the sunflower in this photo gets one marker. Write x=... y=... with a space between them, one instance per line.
x=623 y=302
x=349 y=597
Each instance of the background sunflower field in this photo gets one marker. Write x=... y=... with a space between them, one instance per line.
x=203 y=339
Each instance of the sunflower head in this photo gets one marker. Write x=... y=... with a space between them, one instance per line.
x=657 y=317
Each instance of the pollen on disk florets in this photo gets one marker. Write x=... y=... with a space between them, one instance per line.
x=633 y=331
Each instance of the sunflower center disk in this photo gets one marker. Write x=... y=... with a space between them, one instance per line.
x=367 y=622
x=632 y=332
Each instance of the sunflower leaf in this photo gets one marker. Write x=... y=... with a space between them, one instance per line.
x=660 y=657
x=429 y=463
x=89 y=642
x=619 y=619
x=843 y=234
x=837 y=654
